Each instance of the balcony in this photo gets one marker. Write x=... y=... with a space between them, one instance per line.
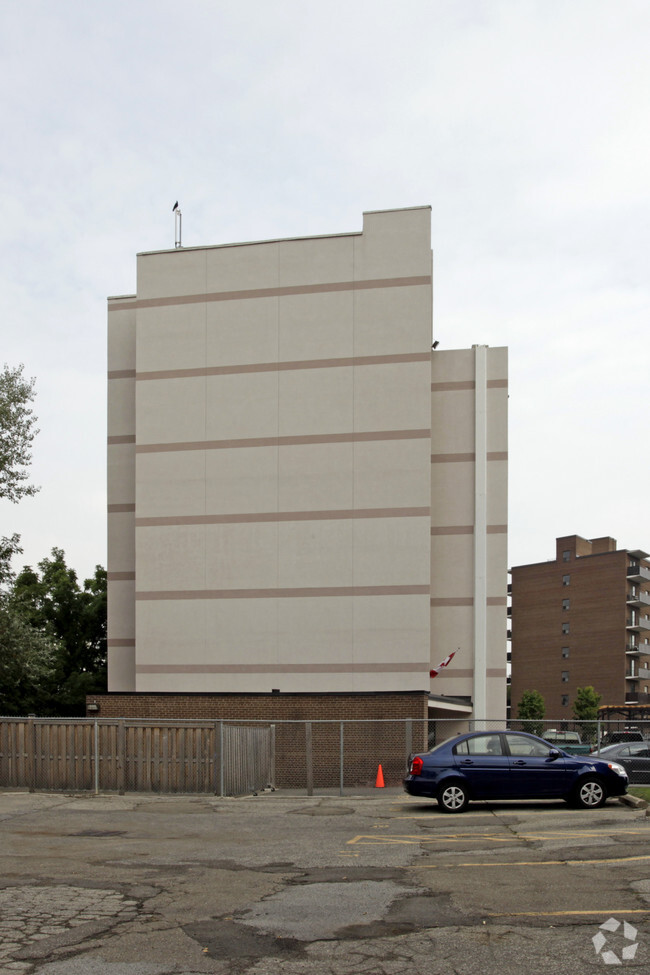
x=644 y=673
x=638 y=573
x=640 y=624
x=641 y=599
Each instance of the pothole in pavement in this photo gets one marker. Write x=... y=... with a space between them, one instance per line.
x=284 y=923
x=36 y=920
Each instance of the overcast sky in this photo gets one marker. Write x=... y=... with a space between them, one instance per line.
x=524 y=123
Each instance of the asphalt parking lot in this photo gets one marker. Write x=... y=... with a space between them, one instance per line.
x=383 y=883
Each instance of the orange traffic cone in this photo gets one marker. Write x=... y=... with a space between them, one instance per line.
x=379 y=784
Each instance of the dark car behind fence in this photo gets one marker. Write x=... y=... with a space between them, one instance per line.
x=232 y=758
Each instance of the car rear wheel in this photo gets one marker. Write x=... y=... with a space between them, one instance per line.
x=590 y=794
x=453 y=798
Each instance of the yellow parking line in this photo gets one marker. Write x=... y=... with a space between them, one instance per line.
x=366 y=839
x=608 y=910
x=527 y=863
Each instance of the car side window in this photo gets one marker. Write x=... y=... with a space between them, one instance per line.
x=639 y=749
x=481 y=745
x=519 y=745
x=624 y=752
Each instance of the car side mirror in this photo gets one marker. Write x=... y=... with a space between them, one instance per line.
x=554 y=753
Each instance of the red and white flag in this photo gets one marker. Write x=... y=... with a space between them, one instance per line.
x=445 y=663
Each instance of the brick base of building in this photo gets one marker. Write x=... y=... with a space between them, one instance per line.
x=397 y=705
x=379 y=727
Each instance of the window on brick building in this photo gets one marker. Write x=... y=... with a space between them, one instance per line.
x=565 y=676
x=565 y=700
x=566 y=556
x=565 y=628
x=566 y=603
x=565 y=652
x=566 y=580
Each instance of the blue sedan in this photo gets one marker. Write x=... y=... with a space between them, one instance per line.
x=510 y=765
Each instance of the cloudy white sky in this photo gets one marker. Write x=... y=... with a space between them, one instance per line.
x=524 y=123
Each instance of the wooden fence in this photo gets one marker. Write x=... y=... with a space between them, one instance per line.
x=135 y=756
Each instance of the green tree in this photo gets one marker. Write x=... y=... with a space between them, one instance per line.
x=585 y=710
x=17 y=433
x=531 y=710
x=585 y=706
x=26 y=663
x=26 y=655
x=52 y=602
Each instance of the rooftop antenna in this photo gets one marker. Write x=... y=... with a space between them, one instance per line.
x=178 y=225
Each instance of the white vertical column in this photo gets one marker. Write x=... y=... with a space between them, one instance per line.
x=480 y=533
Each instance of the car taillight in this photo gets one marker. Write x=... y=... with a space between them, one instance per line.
x=416 y=765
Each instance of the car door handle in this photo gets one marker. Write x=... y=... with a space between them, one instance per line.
x=467 y=761
x=520 y=762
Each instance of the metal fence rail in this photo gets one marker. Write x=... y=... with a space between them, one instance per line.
x=239 y=757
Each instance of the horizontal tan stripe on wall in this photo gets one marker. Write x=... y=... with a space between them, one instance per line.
x=451 y=385
x=120 y=641
x=121 y=373
x=120 y=576
x=452 y=458
x=123 y=438
x=296 y=289
x=273 y=516
x=387 y=668
x=316 y=438
x=460 y=384
x=450 y=672
x=285 y=593
x=467 y=458
x=467 y=529
x=365 y=360
x=466 y=601
x=452 y=601
x=118 y=509
x=447 y=673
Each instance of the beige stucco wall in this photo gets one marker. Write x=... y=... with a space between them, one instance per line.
x=282 y=463
x=460 y=598
x=121 y=494
x=292 y=473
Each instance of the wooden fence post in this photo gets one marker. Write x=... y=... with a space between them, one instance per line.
x=121 y=757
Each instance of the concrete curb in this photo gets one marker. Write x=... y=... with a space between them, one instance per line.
x=633 y=801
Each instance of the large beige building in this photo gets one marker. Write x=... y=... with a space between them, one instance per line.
x=304 y=497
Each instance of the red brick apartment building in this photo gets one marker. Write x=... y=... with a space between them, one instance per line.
x=582 y=619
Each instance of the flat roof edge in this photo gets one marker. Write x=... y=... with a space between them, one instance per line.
x=281 y=240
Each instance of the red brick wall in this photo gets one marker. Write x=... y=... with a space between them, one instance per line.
x=268 y=707
x=375 y=731
x=597 y=635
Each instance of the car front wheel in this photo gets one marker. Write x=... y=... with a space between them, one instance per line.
x=590 y=794
x=453 y=798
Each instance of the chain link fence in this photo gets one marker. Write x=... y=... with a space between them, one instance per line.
x=241 y=757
